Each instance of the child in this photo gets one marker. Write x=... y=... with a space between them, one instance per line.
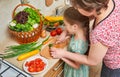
x=77 y=26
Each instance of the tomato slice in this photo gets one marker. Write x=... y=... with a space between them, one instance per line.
x=35 y=65
x=38 y=60
x=39 y=69
x=27 y=64
x=31 y=69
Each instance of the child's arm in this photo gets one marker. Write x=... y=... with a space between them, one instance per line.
x=64 y=35
x=66 y=60
x=71 y=63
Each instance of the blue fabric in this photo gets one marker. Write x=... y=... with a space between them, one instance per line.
x=107 y=72
x=77 y=46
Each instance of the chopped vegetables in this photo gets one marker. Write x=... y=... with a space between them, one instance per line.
x=35 y=65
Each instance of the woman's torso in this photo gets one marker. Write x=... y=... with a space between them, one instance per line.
x=107 y=32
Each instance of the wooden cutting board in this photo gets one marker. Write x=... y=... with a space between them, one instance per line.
x=45 y=52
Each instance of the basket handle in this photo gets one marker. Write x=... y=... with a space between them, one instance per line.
x=24 y=5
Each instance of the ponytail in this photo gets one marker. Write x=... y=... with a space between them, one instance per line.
x=87 y=35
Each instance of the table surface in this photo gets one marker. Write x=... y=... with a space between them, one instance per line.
x=18 y=64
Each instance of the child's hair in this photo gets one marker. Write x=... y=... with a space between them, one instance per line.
x=73 y=16
x=89 y=5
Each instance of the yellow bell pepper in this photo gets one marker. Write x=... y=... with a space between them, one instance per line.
x=53 y=18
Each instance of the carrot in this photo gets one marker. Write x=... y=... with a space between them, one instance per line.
x=26 y=55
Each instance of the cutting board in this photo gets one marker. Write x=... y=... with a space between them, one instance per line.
x=45 y=52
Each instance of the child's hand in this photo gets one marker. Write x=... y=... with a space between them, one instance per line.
x=62 y=37
x=57 y=52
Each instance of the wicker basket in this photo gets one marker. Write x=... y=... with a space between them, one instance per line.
x=26 y=37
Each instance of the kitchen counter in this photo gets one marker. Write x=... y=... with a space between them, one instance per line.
x=94 y=71
x=51 y=63
x=15 y=62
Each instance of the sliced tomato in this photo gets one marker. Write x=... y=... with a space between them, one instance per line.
x=31 y=62
x=35 y=65
x=38 y=65
x=38 y=60
x=39 y=69
x=31 y=69
x=27 y=64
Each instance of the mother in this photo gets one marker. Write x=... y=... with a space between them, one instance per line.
x=104 y=37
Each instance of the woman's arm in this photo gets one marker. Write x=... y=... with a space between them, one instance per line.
x=96 y=53
x=71 y=63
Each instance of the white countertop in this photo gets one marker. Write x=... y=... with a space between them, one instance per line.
x=14 y=61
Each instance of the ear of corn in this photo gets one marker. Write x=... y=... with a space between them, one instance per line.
x=53 y=18
x=27 y=55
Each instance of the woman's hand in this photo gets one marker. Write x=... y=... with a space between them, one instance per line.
x=57 y=52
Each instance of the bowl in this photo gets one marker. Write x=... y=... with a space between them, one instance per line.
x=32 y=65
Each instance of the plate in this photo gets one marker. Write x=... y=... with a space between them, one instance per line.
x=33 y=58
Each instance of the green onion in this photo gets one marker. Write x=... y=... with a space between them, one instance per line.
x=15 y=50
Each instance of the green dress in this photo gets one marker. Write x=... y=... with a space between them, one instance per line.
x=77 y=46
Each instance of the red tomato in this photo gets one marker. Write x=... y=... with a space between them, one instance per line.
x=35 y=65
x=42 y=63
x=38 y=65
x=27 y=64
x=31 y=62
x=31 y=69
x=53 y=33
x=39 y=69
x=32 y=66
x=59 y=31
x=38 y=60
